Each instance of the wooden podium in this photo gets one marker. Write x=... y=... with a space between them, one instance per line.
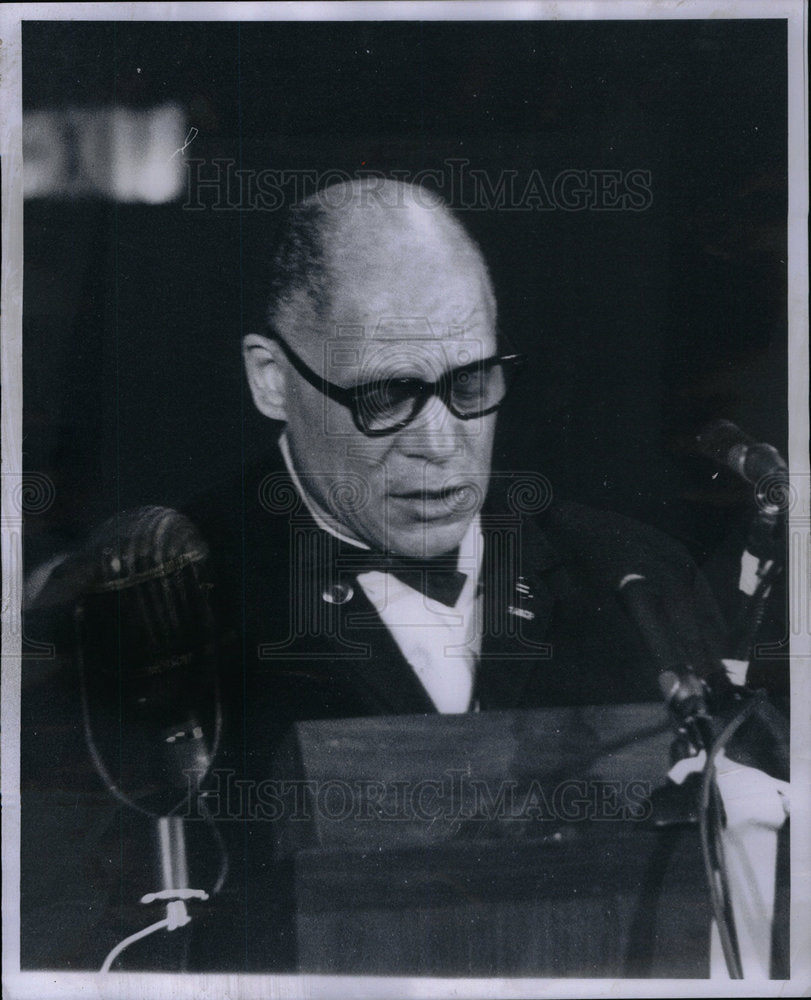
x=500 y=844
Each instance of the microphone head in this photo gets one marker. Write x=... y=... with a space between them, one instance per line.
x=146 y=642
x=724 y=443
x=146 y=603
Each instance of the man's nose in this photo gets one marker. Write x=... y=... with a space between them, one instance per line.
x=435 y=433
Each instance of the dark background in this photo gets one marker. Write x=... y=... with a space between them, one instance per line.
x=641 y=326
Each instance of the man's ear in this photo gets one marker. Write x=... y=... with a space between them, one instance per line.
x=265 y=375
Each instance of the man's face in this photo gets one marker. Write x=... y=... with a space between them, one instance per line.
x=413 y=492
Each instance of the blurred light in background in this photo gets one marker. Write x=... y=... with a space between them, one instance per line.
x=122 y=154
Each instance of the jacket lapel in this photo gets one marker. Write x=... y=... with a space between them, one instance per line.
x=522 y=578
x=382 y=672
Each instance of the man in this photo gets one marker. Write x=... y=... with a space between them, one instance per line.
x=390 y=295
x=376 y=565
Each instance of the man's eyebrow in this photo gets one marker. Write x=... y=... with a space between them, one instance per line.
x=384 y=379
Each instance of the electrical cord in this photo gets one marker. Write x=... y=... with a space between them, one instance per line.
x=224 y=860
x=145 y=932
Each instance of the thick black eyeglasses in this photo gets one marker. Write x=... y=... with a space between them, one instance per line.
x=388 y=405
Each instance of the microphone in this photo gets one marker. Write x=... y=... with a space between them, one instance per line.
x=146 y=650
x=146 y=647
x=726 y=443
x=764 y=553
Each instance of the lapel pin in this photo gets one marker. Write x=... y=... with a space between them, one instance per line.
x=521 y=613
x=338 y=593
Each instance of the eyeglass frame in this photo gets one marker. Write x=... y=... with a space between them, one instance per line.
x=351 y=396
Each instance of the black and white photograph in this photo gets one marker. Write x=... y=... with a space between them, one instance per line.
x=405 y=500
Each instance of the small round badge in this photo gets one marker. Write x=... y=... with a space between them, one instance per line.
x=338 y=593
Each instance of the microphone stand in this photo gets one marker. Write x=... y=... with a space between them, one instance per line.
x=694 y=704
x=171 y=839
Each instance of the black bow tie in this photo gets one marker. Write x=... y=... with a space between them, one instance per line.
x=437 y=578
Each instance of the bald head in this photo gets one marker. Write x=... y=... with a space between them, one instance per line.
x=359 y=250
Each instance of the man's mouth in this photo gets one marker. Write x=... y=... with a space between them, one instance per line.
x=440 y=494
x=444 y=502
